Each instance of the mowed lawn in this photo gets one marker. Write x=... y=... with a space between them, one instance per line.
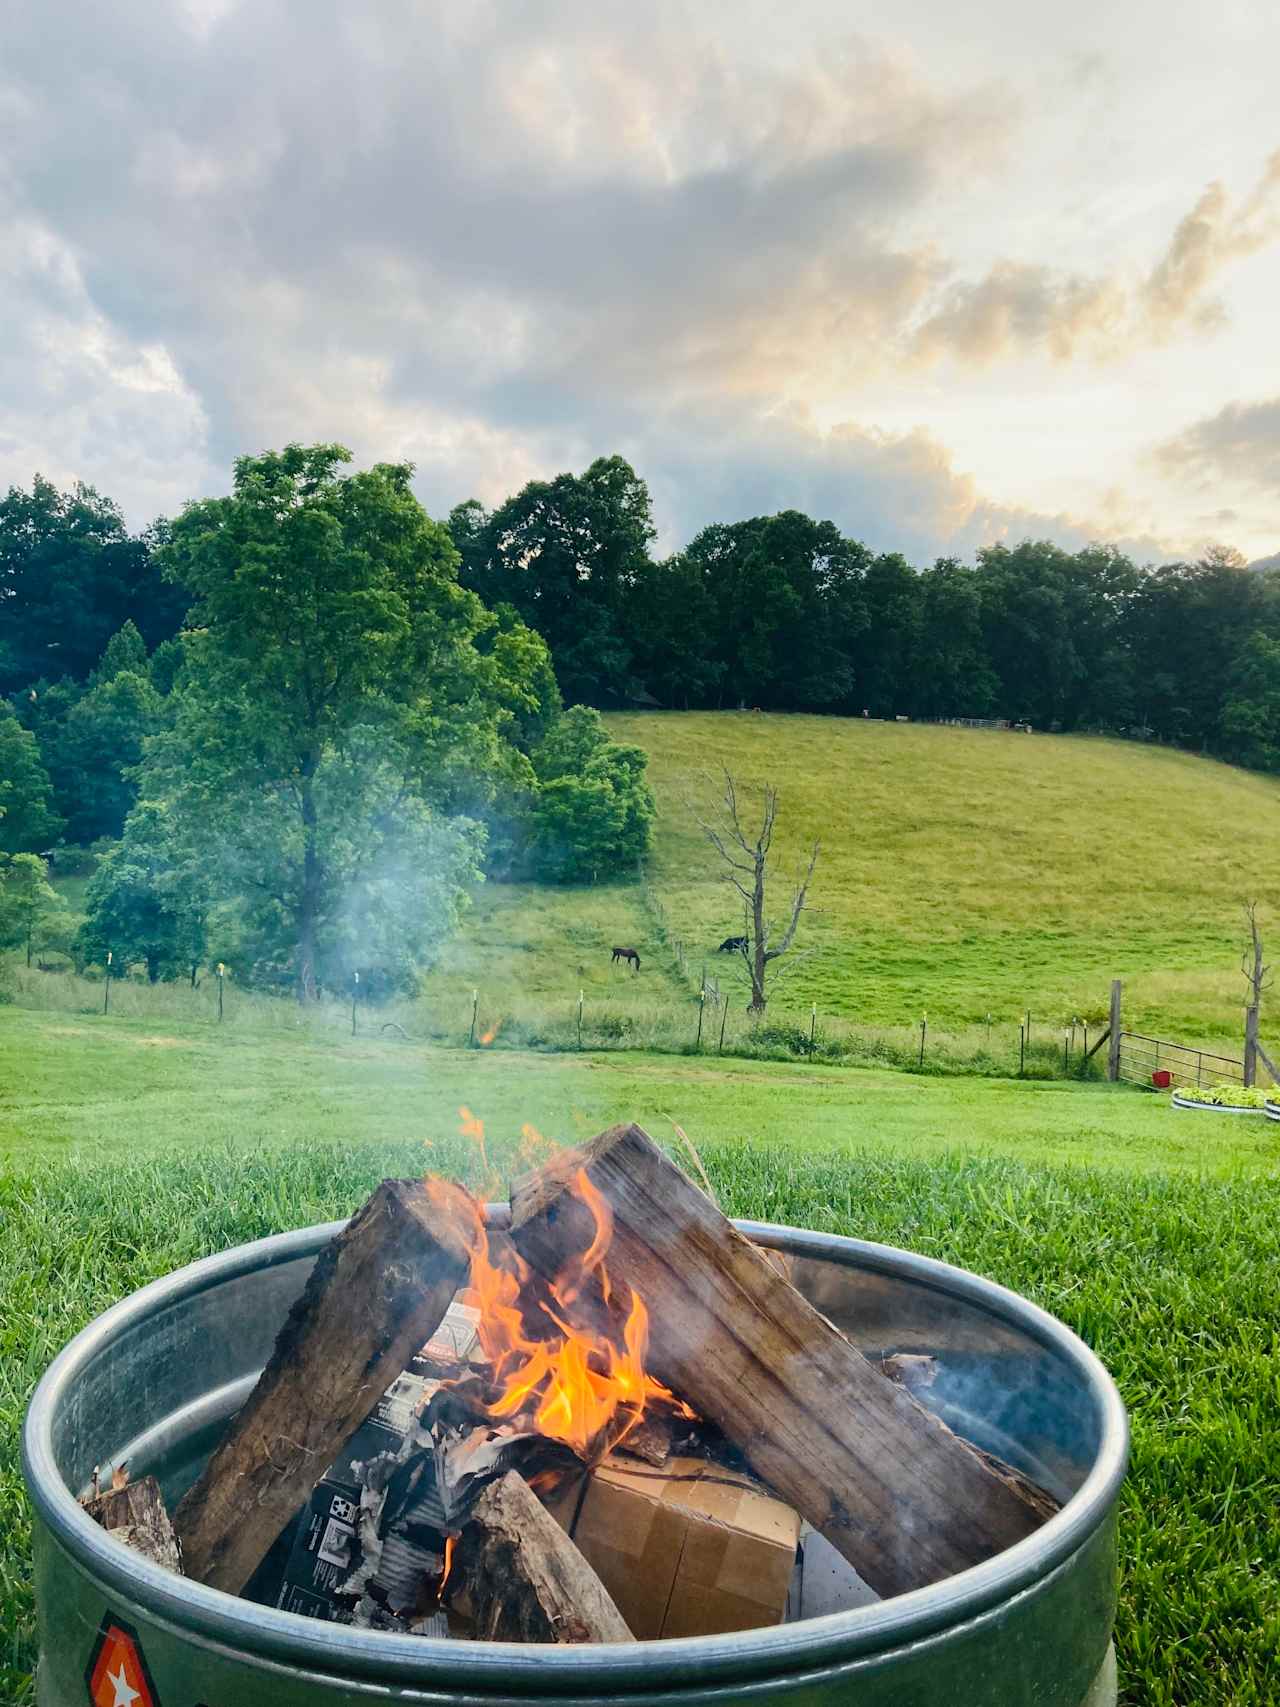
x=129 y=1148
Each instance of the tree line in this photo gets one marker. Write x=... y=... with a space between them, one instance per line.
x=301 y=719
x=786 y=613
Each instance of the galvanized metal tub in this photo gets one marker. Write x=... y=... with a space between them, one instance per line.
x=156 y=1378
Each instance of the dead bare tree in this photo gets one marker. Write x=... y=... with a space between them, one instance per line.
x=1255 y=970
x=746 y=854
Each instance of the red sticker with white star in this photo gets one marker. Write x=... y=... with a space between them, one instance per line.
x=117 y=1674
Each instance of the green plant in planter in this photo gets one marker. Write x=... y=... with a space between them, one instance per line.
x=1223 y=1096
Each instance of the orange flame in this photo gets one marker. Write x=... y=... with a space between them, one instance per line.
x=577 y=1384
x=533 y=1146
x=448 y=1565
x=473 y=1128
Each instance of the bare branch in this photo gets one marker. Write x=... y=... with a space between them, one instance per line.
x=770 y=814
x=746 y=865
x=715 y=834
x=735 y=822
x=797 y=906
x=1252 y=965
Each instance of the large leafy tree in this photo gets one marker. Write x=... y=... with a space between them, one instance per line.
x=1027 y=627
x=31 y=910
x=335 y=703
x=1250 y=724
x=70 y=575
x=785 y=594
x=94 y=751
x=952 y=677
x=565 y=553
x=28 y=821
x=593 y=808
x=126 y=650
x=91 y=734
x=148 y=901
x=674 y=630
x=1186 y=626
x=884 y=651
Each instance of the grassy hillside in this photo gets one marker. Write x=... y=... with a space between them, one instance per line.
x=963 y=873
x=969 y=871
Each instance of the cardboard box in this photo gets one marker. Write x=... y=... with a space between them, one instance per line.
x=688 y=1550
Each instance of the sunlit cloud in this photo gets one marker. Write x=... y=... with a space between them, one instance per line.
x=1238 y=447
x=499 y=241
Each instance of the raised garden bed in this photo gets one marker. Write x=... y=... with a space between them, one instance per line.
x=1216 y=1100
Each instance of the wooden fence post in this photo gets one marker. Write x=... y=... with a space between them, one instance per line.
x=1250 y=1046
x=1113 y=1046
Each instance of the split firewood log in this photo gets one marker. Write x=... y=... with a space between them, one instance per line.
x=905 y=1500
x=519 y=1577
x=377 y=1293
x=134 y=1512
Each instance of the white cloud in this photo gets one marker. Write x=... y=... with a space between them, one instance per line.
x=78 y=400
x=500 y=240
x=1236 y=448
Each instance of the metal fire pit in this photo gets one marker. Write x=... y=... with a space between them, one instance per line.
x=155 y=1379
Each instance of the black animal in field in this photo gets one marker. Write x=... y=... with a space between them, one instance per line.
x=628 y=954
x=733 y=945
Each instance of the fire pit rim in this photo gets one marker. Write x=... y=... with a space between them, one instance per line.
x=782 y=1649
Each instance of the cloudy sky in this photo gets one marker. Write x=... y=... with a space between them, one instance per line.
x=943 y=274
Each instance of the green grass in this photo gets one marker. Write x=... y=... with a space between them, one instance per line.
x=963 y=872
x=620 y=1015
x=969 y=870
x=126 y=1150
x=85 y=1085
x=1172 y=1280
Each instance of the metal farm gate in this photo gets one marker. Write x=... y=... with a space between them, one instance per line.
x=1139 y=1057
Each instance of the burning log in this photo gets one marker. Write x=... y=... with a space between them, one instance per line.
x=134 y=1512
x=376 y=1294
x=906 y=1501
x=520 y=1577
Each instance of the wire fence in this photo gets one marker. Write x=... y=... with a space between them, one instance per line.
x=712 y=1018
x=980 y=723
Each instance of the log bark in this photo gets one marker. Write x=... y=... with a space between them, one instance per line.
x=521 y=1579
x=377 y=1293
x=136 y=1515
x=906 y=1501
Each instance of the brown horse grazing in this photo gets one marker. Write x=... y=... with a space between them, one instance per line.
x=626 y=954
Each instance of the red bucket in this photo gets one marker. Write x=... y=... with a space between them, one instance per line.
x=1162 y=1079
